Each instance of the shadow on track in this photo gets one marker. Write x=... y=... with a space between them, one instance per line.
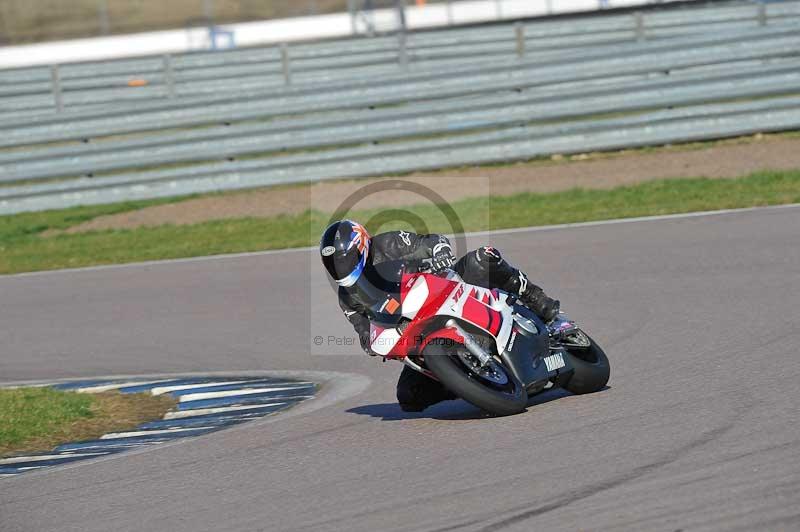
x=457 y=410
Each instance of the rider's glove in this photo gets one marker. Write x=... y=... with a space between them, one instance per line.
x=441 y=258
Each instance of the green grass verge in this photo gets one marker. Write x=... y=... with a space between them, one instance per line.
x=38 y=419
x=29 y=413
x=23 y=248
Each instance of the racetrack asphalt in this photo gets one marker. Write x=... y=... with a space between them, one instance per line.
x=698 y=430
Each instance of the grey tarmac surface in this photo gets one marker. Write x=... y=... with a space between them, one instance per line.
x=698 y=430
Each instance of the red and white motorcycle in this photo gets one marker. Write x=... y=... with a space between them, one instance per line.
x=481 y=344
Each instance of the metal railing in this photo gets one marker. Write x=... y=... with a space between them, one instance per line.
x=366 y=120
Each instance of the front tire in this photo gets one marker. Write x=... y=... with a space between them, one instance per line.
x=592 y=369
x=456 y=377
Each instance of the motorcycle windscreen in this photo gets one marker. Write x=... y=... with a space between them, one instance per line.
x=379 y=289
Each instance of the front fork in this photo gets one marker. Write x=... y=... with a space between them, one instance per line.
x=475 y=349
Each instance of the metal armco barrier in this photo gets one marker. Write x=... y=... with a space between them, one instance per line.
x=356 y=108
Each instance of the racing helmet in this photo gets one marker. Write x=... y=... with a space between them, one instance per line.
x=344 y=248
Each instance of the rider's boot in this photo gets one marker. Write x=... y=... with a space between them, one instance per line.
x=535 y=299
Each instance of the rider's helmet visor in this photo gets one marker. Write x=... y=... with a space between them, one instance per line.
x=342 y=263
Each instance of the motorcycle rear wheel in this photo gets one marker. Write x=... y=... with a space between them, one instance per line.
x=455 y=376
x=592 y=369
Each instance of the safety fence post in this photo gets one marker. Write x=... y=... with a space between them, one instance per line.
x=402 y=49
x=351 y=8
x=639 y=22
x=286 y=64
x=169 y=75
x=402 y=37
x=762 y=14
x=519 y=31
x=58 y=97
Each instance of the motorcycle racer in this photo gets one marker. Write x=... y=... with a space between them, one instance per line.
x=349 y=254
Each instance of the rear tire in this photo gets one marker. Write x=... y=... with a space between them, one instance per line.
x=465 y=384
x=592 y=369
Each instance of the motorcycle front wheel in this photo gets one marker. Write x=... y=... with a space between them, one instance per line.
x=592 y=369
x=497 y=392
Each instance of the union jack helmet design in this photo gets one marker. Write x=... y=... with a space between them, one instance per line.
x=344 y=249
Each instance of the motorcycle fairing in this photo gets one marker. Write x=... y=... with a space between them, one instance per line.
x=481 y=307
x=413 y=295
x=482 y=315
x=383 y=339
x=423 y=297
x=522 y=352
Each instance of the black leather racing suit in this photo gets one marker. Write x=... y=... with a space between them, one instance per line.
x=482 y=267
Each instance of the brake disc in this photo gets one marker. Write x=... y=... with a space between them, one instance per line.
x=492 y=372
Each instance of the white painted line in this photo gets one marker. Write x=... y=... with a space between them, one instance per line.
x=638 y=219
x=106 y=445
x=109 y=387
x=167 y=389
x=252 y=254
x=204 y=411
x=232 y=393
x=147 y=433
x=43 y=458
